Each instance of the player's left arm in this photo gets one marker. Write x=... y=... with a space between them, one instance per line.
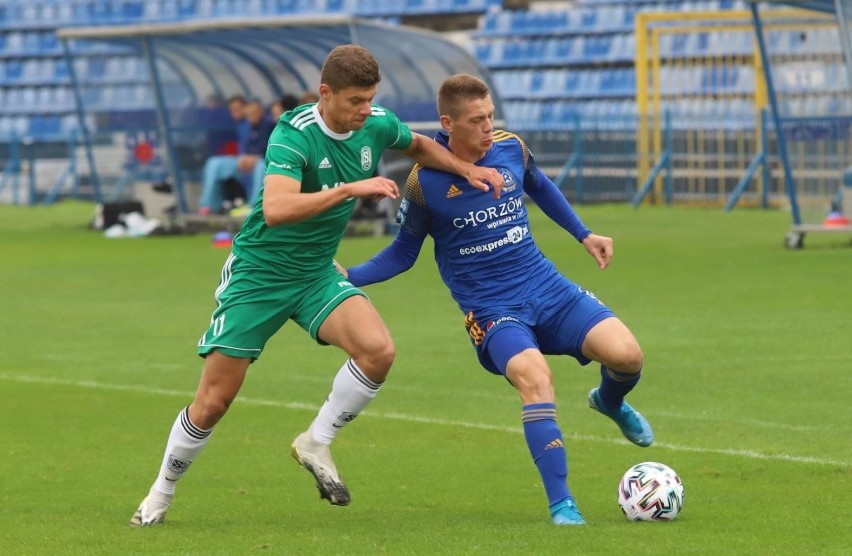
x=430 y=154
x=394 y=259
x=554 y=204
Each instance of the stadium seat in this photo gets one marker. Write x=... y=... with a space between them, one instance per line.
x=571 y=85
x=44 y=127
x=152 y=10
x=11 y=42
x=13 y=70
x=63 y=99
x=5 y=127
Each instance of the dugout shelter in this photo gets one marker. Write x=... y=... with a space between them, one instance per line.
x=185 y=63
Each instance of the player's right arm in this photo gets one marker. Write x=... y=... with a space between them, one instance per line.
x=288 y=155
x=284 y=202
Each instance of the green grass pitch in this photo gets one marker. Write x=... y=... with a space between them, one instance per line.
x=747 y=383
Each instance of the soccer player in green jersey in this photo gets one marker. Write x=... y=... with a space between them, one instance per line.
x=321 y=158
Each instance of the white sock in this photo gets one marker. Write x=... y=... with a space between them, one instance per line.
x=350 y=393
x=185 y=442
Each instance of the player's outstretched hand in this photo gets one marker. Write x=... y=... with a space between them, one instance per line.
x=599 y=247
x=486 y=179
x=376 y=187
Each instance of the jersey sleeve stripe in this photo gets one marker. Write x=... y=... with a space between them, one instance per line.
x=305 y=160
x=302 y=119
x=398 y=135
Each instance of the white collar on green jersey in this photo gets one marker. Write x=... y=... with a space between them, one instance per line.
x=325 y=129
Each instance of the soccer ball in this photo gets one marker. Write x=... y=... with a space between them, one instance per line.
x=650 y=491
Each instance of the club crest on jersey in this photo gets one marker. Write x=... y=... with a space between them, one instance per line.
x=366 y=158
x=509 y=183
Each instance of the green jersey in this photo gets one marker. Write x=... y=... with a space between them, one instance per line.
x=304 y=148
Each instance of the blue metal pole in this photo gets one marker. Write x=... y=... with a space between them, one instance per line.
x=15 y=166
x=578 y=149
x=789 y=183
x=32 y=193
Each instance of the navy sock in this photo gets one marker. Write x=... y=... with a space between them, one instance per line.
x=544 y=440
x=615 y=385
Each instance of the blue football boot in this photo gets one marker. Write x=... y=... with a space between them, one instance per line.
x=634 y=427
x=566 y=513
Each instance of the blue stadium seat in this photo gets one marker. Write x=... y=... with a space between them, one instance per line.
x=415 y=6
x=14 y=42
x=513 y=52
x=566 y=49
x=185 y=9
x=92 y=97
x=536 y=83
x=588 y=19
x=571 y=84
x=44 y=99
x=224 y=8
x=482 y=51
x=49 y=44
x=95 y=68
x=5 y=126
x=27 y=100
x=69 y=124
x=152 y=10
x=553 y=83
x=32 y=43
x=132 y=10
x=44 y=127
x=596 y=47
x=204 y=9
x=14 y=69
x=63 y=99
x=335 y=6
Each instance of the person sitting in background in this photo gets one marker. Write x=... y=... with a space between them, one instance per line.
x=223 y=141
x=282 y=104
x=248 y=165
x=308 y=97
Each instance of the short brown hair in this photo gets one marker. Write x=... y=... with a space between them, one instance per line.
x=350 y=65
x=457 y=89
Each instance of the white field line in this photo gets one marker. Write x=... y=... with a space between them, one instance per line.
x=94 y=385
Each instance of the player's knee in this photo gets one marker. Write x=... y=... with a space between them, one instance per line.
x=628 y=358
x=207 y=411
x=534 y=386
x=376 y=359
x=385 y=355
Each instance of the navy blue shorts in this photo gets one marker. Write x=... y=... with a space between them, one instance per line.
x=555 y=323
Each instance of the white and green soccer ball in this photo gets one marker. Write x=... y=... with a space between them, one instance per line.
x=650 y=491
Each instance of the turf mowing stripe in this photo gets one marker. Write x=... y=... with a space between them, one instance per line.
x=417 y=419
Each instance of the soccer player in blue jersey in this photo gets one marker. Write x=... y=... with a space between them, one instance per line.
x=516 y=305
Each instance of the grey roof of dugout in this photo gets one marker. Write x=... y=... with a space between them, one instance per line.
x=266 y=57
